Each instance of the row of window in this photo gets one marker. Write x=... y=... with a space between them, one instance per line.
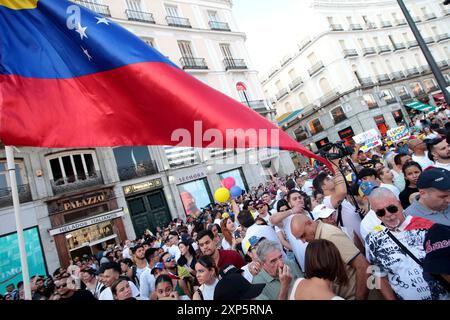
x=136 y=11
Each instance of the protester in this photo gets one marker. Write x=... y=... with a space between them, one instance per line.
x=420 y=153
x=207 y=276
x=436 y=263
x=411 y=172
x=439 y=152
x=67 y=290
x=111 y=272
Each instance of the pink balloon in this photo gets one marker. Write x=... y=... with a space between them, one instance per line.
x=229 y=183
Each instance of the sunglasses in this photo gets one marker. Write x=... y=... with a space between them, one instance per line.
x=61 y=286
x=170 y=258
x=392 y=209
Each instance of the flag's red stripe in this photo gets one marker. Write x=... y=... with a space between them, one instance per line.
x=91 y=111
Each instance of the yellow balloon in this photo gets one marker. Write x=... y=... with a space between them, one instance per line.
x=222 y=195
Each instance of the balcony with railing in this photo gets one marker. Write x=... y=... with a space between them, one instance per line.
x=429 y=16
x=140 y=170
x=400 y=22
x=428 y=40
x=178 y=22
x=366 y=82
x=433 y=88
x=412 y=71
x=316 y=68
x=139 y=16
x=383 y=49
x=442 y=63
x=383 y=78
x=399 y=46
x=355 y=26
x=371 y=26
x=368 y=50
x=193 y=63
x=386 y=24
x=397 y=75
x=424 y=69
x=73 y=183
x=234 y=64
x=405 y=97
x=297 y=82
x=97 y=8
x=349 y=53
x=390 y=100
x=442 y=37
x=281 y=94
x=420 y=94
x=412 y=44
x=336 y=27
x=219 y=26
x=417 y=19
x=6 y=195
x=259 y=106
x=328 y=97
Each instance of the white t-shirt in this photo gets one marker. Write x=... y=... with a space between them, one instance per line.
x=225 y=244
x=147 y=283
x=298 y=246
x=208 y=290
x=424 y=161
x=217 y=221
x=391 y=187
x=260 y=231
x=266 y=219
x=126 y=253
x=368 y=225
x=308 y=187
x=350 y=218
x=175 y=251
x=107 y=293
x=247 y=274
x=441 y=165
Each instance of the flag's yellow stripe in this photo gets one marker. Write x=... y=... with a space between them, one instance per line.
x=19 y=4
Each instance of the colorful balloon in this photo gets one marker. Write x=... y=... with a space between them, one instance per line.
x=228 y=183
x=236 y=191
x=222 y=195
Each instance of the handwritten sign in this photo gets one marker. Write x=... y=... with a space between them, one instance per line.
x=398 y=134
x=368 y=139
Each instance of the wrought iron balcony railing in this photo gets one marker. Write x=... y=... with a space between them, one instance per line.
x=428 y=40
x=282 y=93
x=429 y=16
x=399 y=46
x=178 y=22
x=368 y=50
x=97 y=8
x=140 y=170
x=405 y=97
x=366 y=82
x=412 y=71
x=220 y=26
x=412 y=43
x=397 y=75
x=139 y=16
x=6 y=195
x=355 y=26
x=400 y=22
x=383 y=49
x=295 y=83
x=73 y=183
x=386 y=24
x=424 y=69
x=348 y=53
x=336 y=27
x=442 y=37
x=382 y=78
x=316 y=68
x=193 y=63
x=328 y=97
x=234 y=64
x=370 y=26
x=442 y=63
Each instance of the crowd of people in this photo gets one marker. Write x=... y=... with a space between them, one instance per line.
x=375 y=227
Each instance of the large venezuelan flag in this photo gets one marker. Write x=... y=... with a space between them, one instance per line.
x=71 y=78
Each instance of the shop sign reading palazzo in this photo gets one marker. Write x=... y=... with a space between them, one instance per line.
x=87 y=222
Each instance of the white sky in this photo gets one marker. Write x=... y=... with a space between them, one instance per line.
x=273 y=28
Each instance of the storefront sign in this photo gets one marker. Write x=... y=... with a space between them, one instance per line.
x=191 y=177
x=85 y=201
x=398 y=134
x=144 y=186
x=87 y=222
x=368 y=139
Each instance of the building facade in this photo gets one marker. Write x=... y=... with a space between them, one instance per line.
x=358 y=68
x=82 y=200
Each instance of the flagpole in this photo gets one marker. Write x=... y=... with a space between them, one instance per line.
x=16 y=204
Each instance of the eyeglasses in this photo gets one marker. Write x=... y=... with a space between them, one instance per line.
x=391 y=208
x=170 y=258
x=61 y=286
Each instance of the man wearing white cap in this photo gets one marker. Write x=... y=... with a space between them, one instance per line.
x=328 y=215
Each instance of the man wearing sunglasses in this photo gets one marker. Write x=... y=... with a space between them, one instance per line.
x=66 y=290
x=396 y=249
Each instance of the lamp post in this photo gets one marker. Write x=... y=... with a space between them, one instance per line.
x=426 y=52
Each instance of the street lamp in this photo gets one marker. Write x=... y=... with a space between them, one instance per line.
x=426 y=52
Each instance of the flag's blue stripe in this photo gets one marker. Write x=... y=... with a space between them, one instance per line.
x=37 y=43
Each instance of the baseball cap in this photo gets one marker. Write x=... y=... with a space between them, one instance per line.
x=159 y=266
x=437 y=178
x=252 y=241
x=235 y=287
x=366 y=187
x=437 y=249
x=229 y=269
x=322 y=211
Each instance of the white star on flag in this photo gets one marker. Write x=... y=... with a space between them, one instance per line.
x=87 y=53
x=82 y=31
x=102 y=20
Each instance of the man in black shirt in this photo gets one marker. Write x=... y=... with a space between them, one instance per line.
x=67 y=290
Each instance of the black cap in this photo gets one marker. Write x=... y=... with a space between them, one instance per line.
x=437 y=249
x=229 y=269
x=437 y=178
x=235 y=287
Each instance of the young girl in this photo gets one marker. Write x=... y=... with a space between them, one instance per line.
x=411 y=171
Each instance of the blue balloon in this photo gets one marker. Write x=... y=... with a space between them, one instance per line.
x=235 y=191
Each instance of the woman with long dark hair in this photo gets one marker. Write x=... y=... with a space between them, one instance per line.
x=207 y=276
x=411 y=171
x=188 y=257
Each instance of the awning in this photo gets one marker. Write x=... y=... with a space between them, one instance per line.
x=420 y=106
x=285 y=118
